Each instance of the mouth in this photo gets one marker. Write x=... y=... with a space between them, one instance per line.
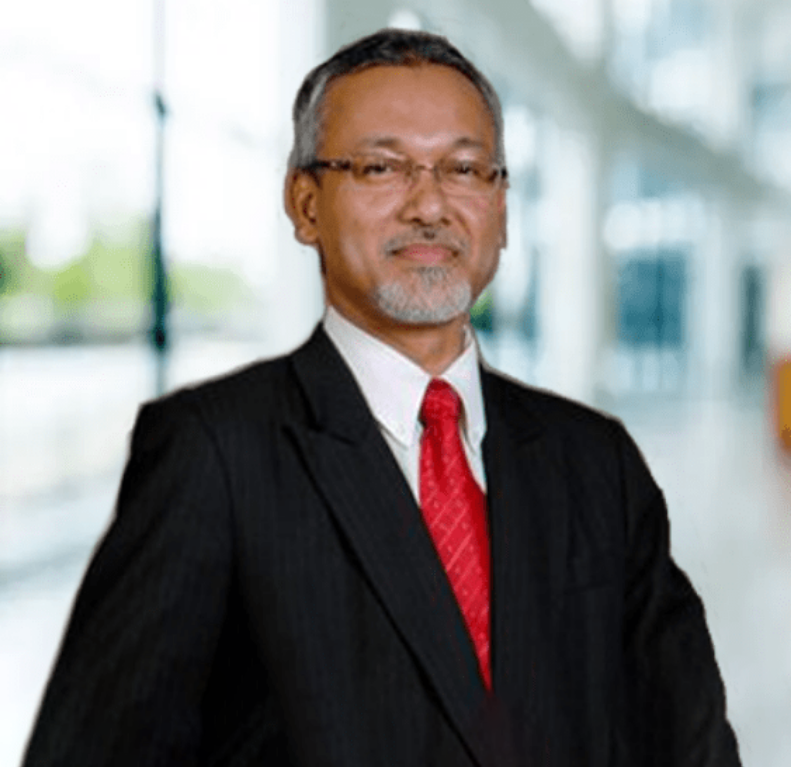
x=425 y=254
x=428 y=247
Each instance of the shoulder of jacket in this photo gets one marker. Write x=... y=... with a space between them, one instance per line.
x=549 y=409
x=262 y=389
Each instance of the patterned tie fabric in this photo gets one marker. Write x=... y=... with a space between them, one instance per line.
x=454 y=507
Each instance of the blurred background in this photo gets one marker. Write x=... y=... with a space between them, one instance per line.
x=143 y=245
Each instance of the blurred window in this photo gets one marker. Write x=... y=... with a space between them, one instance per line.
x=653 y=230
x=78 y=191
x=507 y=311
x=771 y=112
x=651 y=291
x=579 y=23
x=664 y=55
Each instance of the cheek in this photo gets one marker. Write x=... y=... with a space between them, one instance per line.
x=481 y=206
x=357 y=249
x=357 y=240
x=355 y=221
x=362 y=231
x=486 y=216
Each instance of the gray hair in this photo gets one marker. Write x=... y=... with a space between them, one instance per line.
x=387 y=47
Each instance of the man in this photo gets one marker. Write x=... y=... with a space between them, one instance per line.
x=373 y=551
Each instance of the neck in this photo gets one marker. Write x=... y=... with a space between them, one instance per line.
x=433 y=347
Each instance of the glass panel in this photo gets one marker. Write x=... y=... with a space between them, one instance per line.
x=77 y=169
x=507 y=312
x=78 y=166
x=771 y=107
x=579 y=22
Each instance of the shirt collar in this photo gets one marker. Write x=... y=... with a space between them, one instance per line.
x=394 y=386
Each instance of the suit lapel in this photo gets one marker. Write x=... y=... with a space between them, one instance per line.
x=528 y=523
x=374 y=506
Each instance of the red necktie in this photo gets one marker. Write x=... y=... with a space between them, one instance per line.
x=454 y=508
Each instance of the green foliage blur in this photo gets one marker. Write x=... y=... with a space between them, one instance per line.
x=104 y=295
x=482 y=313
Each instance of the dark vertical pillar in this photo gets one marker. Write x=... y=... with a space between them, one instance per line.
x=160 y=302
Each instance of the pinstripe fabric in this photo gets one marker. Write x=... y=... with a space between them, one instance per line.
x=268 y=595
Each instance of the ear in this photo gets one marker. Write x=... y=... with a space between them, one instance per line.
x=502 y=210
x=300 y=198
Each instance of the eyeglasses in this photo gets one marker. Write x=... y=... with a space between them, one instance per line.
x=460 y=177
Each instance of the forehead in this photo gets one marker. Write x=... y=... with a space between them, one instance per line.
x=425 y=107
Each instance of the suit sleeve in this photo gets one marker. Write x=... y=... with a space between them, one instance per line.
x=675 y=696
x=128 y=682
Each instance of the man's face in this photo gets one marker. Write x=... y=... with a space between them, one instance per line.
x=415 y=255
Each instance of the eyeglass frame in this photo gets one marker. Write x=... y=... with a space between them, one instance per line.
x=346 y=164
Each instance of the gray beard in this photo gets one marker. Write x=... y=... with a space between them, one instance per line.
x=431 y=297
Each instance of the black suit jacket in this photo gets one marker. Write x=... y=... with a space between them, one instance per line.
x=268 y=594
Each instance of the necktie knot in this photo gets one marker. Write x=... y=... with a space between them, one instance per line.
x=440 y=403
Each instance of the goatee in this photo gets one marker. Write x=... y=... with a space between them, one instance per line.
x=429 y=296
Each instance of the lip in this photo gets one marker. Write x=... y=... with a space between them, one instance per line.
x=426 y=254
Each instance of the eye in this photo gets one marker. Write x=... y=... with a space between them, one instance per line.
x=464 y=169
x=377 y=167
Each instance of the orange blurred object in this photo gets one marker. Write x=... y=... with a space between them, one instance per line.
x=783 y=407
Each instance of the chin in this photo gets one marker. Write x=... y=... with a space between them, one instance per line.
x=437 y=305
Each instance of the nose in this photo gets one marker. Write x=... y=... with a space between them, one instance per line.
x=425 y=201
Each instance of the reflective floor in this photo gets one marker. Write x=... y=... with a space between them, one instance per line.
x=730 y=499
x=729 y=495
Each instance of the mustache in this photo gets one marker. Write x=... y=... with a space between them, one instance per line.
x=426 y=236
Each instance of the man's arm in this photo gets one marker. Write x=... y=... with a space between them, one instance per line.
x=134 y=662
x=675 y=699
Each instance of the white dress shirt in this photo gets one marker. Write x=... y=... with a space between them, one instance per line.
x=394 y=386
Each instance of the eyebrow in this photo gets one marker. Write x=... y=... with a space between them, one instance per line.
x=390 y=142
